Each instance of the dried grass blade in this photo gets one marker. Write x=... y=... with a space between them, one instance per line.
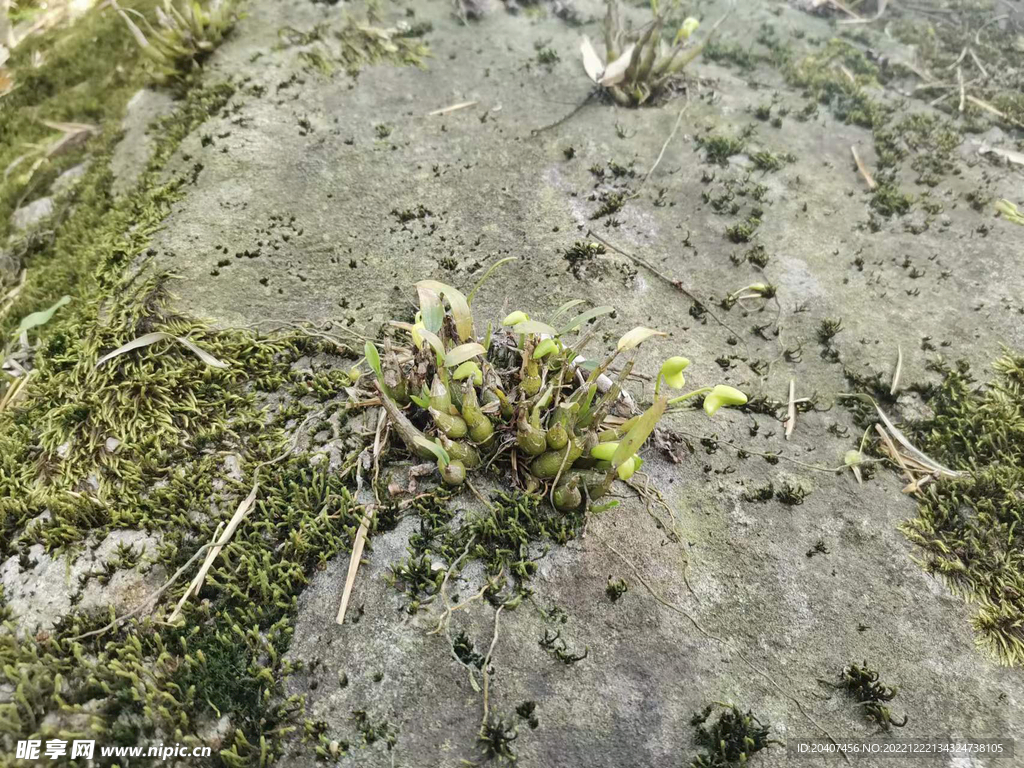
x=152 y=338
x=872 y=184
x=236 y=519
x=920 y=456
x=791 y=412
x=898 y=371
x=452 y=108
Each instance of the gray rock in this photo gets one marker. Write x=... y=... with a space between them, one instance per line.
x=32 y=214
x=39 y=595
x=67 y=180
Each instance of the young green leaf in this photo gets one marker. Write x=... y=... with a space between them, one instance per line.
x=584 y=318
x=434 y=448
x=373 y=360
x=487 y=337
x=536 y=327
x=587 y=401
x=431 y=308
x=566 y=307
x=636 y=337
x=462 y=353
x=487 y=274
x=435 y=344
x=639 y=432
x=461 y=313
x=40 y=318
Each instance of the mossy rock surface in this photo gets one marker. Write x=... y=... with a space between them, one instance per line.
x=283 y=188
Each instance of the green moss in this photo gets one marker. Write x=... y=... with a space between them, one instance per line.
x=768 y=162
x=929 y=141
x=822 y=79
x=731 y=54
x=73 y=85
x=966 y=526
x=997 y=48
x=872 y=695
x=889 y=200
x=171 y=416
x=731 y=740
x=718 y=149
x=363 y=44
x=743 y=231
x=616 y=589
x=495 y=740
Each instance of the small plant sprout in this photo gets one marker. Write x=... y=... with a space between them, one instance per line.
x=469 y=370
x=672 y=374
x=854 y=457
x=718 y=395
x=752 y=291
x=1009 y=212
x=722 y=394
x=545 y=348
x=640 y=64
x=525 y=402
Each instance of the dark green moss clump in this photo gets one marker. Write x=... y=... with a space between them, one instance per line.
x=495 y=740
x=863 y=684
x=889 y=200
x=616 y=589
x=718 y=149
x=580 y=256
x=826 y=83
x=553 y=643
x=743 y=231
x=731 y=740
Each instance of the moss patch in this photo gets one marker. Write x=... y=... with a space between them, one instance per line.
x=74 y=85
x=966 y=527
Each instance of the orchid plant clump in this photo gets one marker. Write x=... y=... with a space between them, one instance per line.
x=185 y=32
x=639 y=64
x=523 y=394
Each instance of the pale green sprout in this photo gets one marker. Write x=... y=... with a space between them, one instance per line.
x=1010 y=212
x=757 y=291
x=515 y=318
x=672 y=373
x=545 y=348
x=467 y=370
x=722 y=394
x=629 y=467
x=687 y=28
x=606 y=452
x=854 y=457
x=417 y=327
